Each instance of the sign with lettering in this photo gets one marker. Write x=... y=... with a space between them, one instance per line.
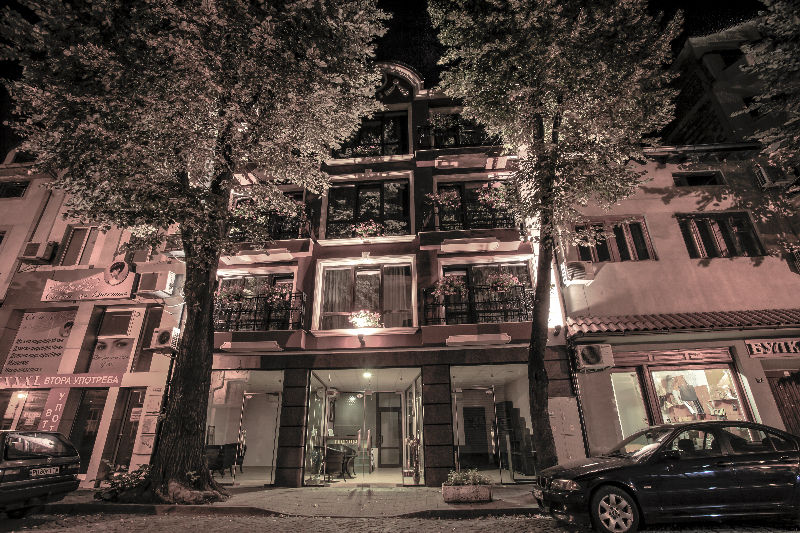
x=53 y=409
x=773 y=347
x=114 y=283
x=112 y=355
x=46 y=381
x=39 y=343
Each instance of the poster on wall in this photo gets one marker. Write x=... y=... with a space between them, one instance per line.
x=144 y=446
x=39 y=344
x=114 y=282
x=112 y=355
x=149 y=424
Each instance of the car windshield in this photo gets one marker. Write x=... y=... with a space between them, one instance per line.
x=640 y=444
x=30 y=445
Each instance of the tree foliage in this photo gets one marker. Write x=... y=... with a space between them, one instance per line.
x=150 y=113
x=575 y=88
x=775 y=60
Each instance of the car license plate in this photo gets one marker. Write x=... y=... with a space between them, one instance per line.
x=537 y=493
x=49 y=471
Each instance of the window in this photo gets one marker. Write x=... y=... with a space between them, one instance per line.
x=685 y=395
x=619 y=241
x=453 y=130
x=258 y=303
x=36 y=445
x=144 y=357
x=22 y=409
x=383 y=289
x=382 y=134
x=272 y=225
x=695 y=443
x=13 y=189
x=744 y=440
x=368 y=209
x=698 y=178
x=78 y=245
x=719 y=235
x=473 y=205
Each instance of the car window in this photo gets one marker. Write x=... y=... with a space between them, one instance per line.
x=695 y=443
x=30 y=445
x=641 y=443
x=745 y=440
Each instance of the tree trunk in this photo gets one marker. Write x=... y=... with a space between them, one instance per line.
x=179 y=470
x=537 y=373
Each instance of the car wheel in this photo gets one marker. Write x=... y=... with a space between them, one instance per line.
x=614 y=511
x=17 y=513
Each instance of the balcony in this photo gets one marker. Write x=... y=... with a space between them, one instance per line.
x=261 y=313
x=453 y=133
x=277 y=228
x=480 y=305
x=468 y=218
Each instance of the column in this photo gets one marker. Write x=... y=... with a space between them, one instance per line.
x=437 y=424
x=291 y=437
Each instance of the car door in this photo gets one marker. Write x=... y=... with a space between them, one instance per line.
x=767 y=467
x=696 y=475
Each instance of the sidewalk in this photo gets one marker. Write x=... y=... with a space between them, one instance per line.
x=346 y=502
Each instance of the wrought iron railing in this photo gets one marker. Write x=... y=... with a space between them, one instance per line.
x=261 y=313
x=278 y=228
x=457 y=136
x=481 y=304
x=461 y=218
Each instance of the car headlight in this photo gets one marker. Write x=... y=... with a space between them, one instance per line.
x=564 y=484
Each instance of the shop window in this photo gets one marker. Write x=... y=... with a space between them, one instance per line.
x=87 y=423
x=143 y=357
x=629 y=400
x=702 y=394
x=78 y=245
x=617 y=241
x=695 y=443
x=719 y=235
x=382 y=289
x=698 y=178
x=368 y=209
x=382 y=134
x=22 y=409
x=13 y=189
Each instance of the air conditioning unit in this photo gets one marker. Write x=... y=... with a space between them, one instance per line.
x=38 y=252
x=577 y=272
x=768 y=179
x=156 y=284
x=165 y=339
x=590 y=357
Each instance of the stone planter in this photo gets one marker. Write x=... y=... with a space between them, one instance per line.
x=466 y=493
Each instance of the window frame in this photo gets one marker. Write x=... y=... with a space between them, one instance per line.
x=5 y=185
x=377 y=261
x=461 y=212
x=357 y=186
x=680 y=179
x=720 y=236
x=83 y=257
x=355 y=141
x=612 y=245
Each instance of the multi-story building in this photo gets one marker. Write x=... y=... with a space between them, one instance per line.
x=688 y=310
x=384 y=335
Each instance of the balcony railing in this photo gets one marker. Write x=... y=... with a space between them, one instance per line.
x=261 y=313
x=480 y=305
x=279 y=228
x=458 y=136
x=469 y=218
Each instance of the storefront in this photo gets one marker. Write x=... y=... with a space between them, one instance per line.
x=780 y=359
x=365 y=425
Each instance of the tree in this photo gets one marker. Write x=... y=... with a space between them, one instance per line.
x=147 y=111
x=775 y=60
x=574 y=88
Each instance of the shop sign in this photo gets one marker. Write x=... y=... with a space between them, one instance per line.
x=773 y=347
x=53 y=410
x=114 y=283
x=39 y=343
x=46 y=381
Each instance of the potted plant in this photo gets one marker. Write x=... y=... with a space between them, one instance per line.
x=229 y=294
x=366 y=319
x=449 y=286
x=494 y=196
x=447 y=199
x=467 y=486
x=501 y=282
x=370 y=228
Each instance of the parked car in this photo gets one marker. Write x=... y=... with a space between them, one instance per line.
x=36 y=467
x=676 y=472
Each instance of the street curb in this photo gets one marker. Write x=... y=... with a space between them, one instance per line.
x=243 y=510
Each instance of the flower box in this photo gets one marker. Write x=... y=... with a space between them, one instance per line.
x=466 y=493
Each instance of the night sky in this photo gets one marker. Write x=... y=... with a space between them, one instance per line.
x=411 y=38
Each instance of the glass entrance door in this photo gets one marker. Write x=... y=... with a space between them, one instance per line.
x=389 y=429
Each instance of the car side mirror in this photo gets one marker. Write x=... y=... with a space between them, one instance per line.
x=669 y=455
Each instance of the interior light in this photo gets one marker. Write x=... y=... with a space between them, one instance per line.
x=367 y=374
x=22 y=395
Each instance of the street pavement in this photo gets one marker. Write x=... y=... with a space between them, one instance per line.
x=106 y=522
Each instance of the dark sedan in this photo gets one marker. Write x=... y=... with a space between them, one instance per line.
x=35 y=467
x=679 y=472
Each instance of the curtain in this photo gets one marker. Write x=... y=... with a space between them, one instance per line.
x=397 y=296
x=337 y=297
